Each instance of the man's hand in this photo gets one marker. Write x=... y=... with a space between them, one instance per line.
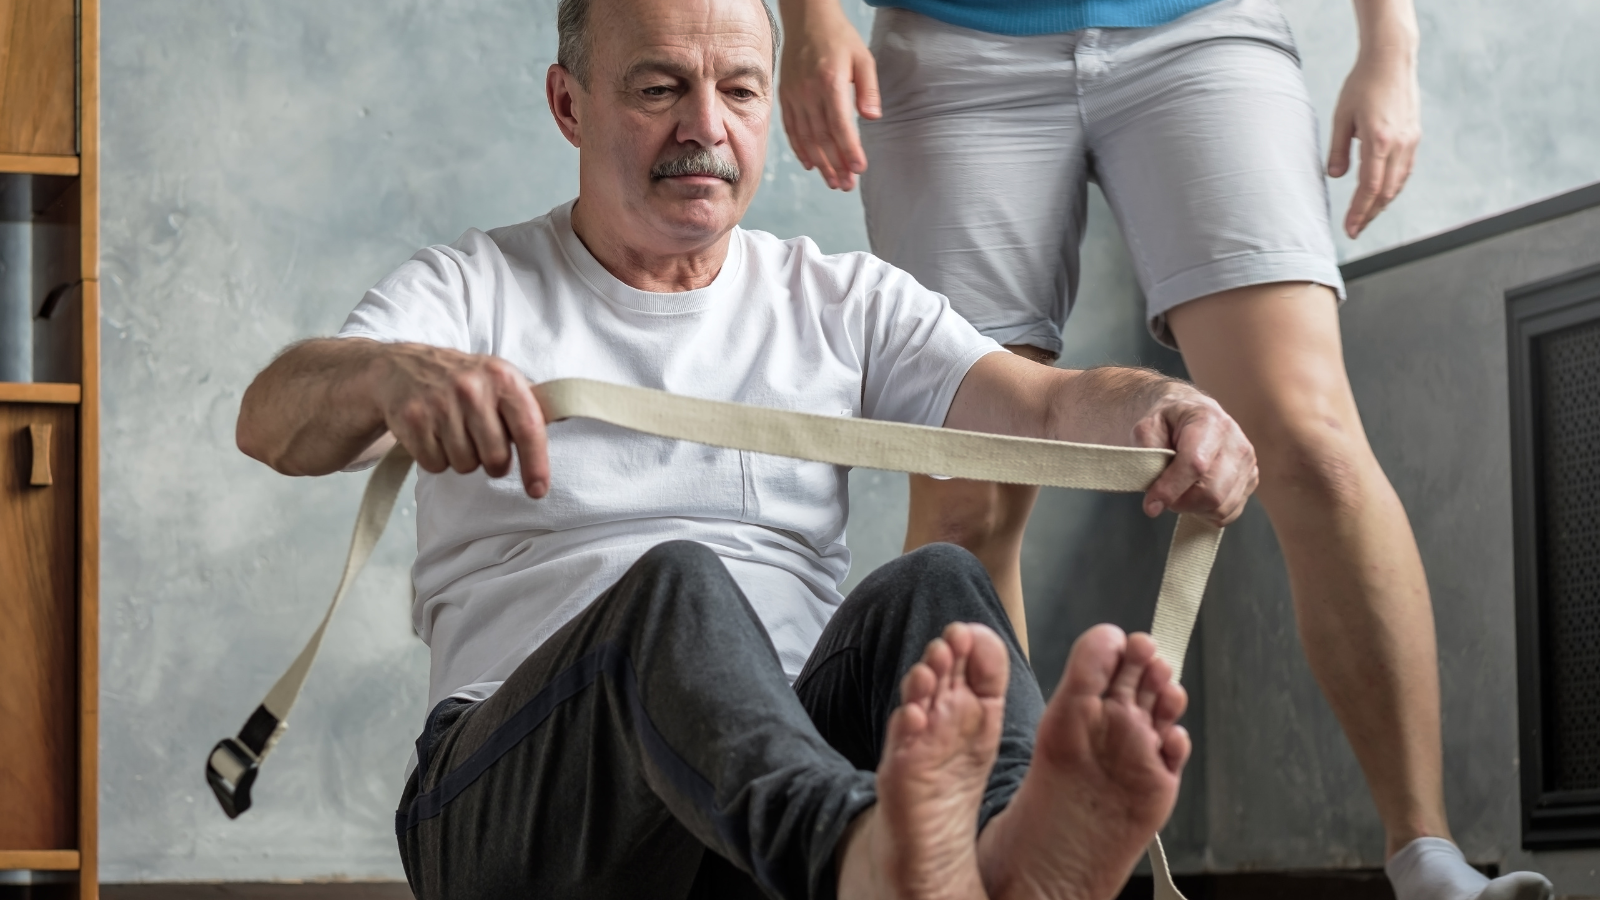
x=823 y=60
x=459 y=411
x=1214 y=471
x=325 y=404
x=1380 y=107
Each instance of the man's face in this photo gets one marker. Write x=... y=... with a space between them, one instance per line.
x=672 y=127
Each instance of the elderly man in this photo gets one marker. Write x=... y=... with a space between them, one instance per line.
x=639 y=649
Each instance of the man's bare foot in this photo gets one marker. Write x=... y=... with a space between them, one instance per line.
x=1104 y=776
x=919 y=841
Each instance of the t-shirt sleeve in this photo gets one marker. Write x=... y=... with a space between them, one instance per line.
x=918 y=349
x=427 y=300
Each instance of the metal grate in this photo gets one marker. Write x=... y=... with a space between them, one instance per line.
x=1567 y=363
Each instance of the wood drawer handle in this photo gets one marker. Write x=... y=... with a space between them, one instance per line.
x=41 y=455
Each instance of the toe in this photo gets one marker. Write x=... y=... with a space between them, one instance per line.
x=1170 y=704
x=918 y=685
x=1175 y=749
x=958 y=637
x=1135 y=660
x=1157 y=675
x=989 y=665
x=938 y=658
x=1094 y=660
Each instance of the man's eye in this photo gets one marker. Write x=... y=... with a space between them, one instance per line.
x=657 y=91
x=743 y=94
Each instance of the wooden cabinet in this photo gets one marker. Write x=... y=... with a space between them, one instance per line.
x=38 y=96
x=38 y=626
x=49 y=442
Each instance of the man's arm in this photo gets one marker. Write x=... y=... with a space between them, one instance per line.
x=325 y=405
x=1213 y=473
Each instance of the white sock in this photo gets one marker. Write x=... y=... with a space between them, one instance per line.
x=1433 y=869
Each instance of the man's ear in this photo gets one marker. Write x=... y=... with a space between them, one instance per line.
x=561 y=91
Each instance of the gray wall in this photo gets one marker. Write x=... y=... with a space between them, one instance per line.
x=1426 y=349
x=265 y=163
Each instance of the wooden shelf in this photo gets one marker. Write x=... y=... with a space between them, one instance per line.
x=17 y=392
x=40 y=860
x=38 y=165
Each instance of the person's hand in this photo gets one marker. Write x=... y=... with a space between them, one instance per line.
x=461 y=411
x=1379 y=107
x=1214 y=471
x=824 y=60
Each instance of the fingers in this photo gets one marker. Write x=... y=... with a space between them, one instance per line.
x=524 y=418
x=461 y=411
x=1344 y=131
x=869 y=102
x=1368 y=200
x=825 y=81
x=1213 y=471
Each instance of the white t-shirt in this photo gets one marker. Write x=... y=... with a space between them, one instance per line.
x=781 y=326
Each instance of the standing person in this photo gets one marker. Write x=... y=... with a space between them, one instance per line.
x=1194 y=120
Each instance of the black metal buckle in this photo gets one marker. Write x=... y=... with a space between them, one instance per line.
x=234 y=795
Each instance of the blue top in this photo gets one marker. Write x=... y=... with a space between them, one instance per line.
x=1024 y=17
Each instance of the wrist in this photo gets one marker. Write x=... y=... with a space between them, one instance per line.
x=1389 y=36
x=803 y=15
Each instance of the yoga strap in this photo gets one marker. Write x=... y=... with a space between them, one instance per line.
x=840 y=440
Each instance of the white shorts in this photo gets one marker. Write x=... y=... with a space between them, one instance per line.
x=1199 y=132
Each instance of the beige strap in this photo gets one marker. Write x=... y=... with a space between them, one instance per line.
x=839 y=440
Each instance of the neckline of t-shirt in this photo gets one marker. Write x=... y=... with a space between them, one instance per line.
x=616 y=291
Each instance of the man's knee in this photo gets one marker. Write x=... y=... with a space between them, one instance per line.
x=684 y=575
x=942 y=579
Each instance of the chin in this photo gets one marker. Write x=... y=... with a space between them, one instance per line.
x=696 y=219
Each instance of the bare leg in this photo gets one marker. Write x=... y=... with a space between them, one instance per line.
x=1103 y=780
x=1271 y=355
x=985 y=518
x=919 y=841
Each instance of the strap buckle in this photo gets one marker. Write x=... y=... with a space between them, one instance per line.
x=231 y=770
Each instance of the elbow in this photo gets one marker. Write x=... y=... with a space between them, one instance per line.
x=253 y=436
x=247 y=432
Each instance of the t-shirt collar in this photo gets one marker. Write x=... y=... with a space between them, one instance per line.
x=610 y=287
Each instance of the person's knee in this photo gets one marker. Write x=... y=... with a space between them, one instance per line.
x=685 y=573
x=1316 y=460
x=685 y=563
x=944 y=580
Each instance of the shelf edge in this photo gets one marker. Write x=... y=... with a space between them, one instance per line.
x=37 y=392
x=40 y=860
x=38 y=164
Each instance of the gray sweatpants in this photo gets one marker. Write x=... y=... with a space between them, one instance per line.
x=652 y=747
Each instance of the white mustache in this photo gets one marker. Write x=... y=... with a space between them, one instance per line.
x=700 y=161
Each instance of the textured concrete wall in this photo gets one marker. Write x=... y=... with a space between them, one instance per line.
x=265 y=163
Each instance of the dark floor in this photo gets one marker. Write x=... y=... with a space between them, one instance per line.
x=1364 y=884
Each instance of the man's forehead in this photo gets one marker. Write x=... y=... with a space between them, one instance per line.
x=656 y=34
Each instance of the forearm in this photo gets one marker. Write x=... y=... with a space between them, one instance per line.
x=1388 y=30
x=314 y=409
x=1006 y=394
x=1104 y=405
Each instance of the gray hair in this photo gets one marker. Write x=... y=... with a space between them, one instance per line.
x=573 y=43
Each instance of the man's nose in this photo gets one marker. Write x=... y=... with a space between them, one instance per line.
x=701 y=118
